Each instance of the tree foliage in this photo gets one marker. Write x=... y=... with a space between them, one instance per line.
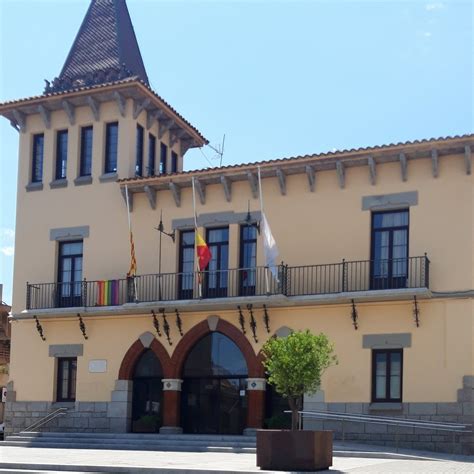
x=295 y=365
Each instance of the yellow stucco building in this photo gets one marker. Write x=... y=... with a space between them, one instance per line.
x=375 y=247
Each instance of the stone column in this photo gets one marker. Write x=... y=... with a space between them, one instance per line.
x=119 y=409
x=171 y=406
x=255 y=404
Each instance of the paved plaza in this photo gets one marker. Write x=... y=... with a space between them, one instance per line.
x=12 y=459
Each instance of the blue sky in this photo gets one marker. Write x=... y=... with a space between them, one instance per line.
x=279 y=78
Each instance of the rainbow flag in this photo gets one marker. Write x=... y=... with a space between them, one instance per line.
x=107 y=293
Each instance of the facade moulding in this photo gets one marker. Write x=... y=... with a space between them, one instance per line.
x=275 y=301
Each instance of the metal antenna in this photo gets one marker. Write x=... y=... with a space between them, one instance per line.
x=219 y=150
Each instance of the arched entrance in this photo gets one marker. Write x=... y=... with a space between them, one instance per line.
x=214 y=387
x=147 y=406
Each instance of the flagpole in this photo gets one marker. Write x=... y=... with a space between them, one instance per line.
x=129 y=234
x=195 y=230
x=267 y=282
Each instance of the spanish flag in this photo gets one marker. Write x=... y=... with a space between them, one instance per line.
x=203 y=253
x=133 y=261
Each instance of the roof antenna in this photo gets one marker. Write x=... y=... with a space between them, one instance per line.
x=219 y=150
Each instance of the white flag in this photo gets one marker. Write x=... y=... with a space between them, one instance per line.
x=269 y=247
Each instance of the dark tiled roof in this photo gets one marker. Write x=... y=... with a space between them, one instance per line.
x=318 y=156
x=105 y=49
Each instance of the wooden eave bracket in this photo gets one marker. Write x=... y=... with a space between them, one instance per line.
x=311 y=174
x=435 y=163
x=121 y=103
x=130 y=197
x=341 y=174
x=372 y=170
x=227 y=186
x=94 y=106
x=186 y=145
x=176 y=191
x=201 y=190
x=151 y=195
x=281 y=181
x=152 y=116
x=403 y=166
x=20 y=119
x=140 y=106
x=70 y=111
x=45 y=116
x=164 y=126
x=175 y=135
x=468 y=159
x=253 y=182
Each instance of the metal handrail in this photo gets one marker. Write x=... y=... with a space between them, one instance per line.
x=384 y=420
x=46 y=419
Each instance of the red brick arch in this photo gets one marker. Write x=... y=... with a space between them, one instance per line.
x=134 y=353
x=254 y=366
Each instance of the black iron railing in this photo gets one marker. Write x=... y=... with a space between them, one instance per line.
x=346 y=276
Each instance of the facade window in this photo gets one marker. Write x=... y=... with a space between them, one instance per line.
x=37 y=161
x=389 y=250
x=248 y=259
x=387 y=373
x=70 y=274
x=85 y=167
x=186 y=264
x=151 y=154
x=61 y=154
x=163 y=158
x=139 y=157
x=66 y=379
x=111 y=147
x=218 y=274
x=174 y=162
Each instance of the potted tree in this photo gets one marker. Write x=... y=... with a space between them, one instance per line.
x=295 y=365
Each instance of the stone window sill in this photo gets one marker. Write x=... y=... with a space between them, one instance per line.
x=63 y=404
x=81 y=180
x=106 y=177
x=58 y=183
x=34 y=187
x=385 y=406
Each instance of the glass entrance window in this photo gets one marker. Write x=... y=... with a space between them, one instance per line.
x=217 y=272
x=248 y=259
x=389 y=267
x=147 y=409
x=70 y=274
x=66 y=379
x=214 y=388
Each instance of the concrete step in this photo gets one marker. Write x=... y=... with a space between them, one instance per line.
x=141 y=436
x=133 y=443
x=128 y=447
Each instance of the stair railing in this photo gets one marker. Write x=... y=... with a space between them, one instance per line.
x=46 y=419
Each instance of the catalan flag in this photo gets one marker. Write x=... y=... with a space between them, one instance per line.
x=203 y=253
x=133 y=261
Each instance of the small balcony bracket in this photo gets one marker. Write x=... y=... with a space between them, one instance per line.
x=156 y=323
x=82 y=327
x=241 y=320
x=39 y=328
x=354 y=316
x=166 y=326
x=179 y=323
x=253 y=323
x=416 y=312
x=266 y=318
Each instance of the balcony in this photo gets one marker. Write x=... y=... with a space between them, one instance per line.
x=349 y=277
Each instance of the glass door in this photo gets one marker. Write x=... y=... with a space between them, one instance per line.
x=389 y=262
x=248 y=260
x=69 y=292
x=217 y=273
